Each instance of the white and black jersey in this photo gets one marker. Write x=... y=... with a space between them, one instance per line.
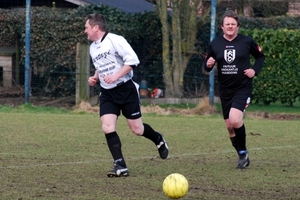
x=109 y=55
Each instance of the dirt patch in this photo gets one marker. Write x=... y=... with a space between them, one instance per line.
x=199 y=110
x=67 y=102
x=273 y=116
x=15 y=97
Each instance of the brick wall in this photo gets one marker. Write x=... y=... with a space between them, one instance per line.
x=248 y=12
x=294 y=9
x=6 y=63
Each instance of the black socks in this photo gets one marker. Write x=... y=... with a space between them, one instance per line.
x=151 y=134
x=234 y=142
x=114 y=145
x=240 y=135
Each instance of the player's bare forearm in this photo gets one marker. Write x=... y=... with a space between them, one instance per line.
x=114 y=77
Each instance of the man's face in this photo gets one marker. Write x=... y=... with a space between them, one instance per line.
x=230 y=27
x=90 y=31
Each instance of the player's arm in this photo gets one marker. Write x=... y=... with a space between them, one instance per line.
x=129 y=57
x=259 y=56
x=209 y=60
x=126 y=52
x=93 y=79
x=122 y=72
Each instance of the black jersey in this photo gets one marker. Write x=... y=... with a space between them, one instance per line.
x=232 y=58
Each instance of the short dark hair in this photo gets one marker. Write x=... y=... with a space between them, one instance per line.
x=232 y=14
x=97 y=19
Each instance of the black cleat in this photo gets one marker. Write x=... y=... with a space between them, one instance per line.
x=163 y=148
x=118 y=171
x=243 y=161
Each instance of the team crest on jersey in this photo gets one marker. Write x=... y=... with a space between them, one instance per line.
x=229 y=55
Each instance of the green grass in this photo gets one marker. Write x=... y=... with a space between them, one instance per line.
x=58 y=154
x=29 y=108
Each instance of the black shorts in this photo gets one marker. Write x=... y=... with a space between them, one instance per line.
x=235 y=99
x=124 y=98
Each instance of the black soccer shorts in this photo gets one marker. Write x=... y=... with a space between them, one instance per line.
x=124 y=98
x=239 y=99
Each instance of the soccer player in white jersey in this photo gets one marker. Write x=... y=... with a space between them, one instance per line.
x=114 y=61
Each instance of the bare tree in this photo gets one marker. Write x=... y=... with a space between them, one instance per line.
x=182 y=30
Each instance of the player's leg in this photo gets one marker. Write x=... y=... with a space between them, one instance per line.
x=226 y=106
x=143 y=129
x=109 y=113
x=236 y=116
x=232 y=135
x=132 y=111
x=236 y=119
x=114 y=144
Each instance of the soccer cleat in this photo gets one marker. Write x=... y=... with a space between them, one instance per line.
x=163 y=148
x=118 y=171
x=243 y=161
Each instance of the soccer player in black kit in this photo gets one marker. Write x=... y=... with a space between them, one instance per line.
x=231 y=53
x=114 y=61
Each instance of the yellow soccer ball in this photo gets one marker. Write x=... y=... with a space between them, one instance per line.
x=175 y=186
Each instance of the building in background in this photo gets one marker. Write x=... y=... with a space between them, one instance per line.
x=256 y=8
x=251 y=8
x=129 y=6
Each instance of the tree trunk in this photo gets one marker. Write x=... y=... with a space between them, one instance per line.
x=167 y=76
x=183 y=31
x=188 y=33
x=176 y=54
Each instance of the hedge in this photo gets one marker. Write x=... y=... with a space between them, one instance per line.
x=55 y=32
x=279 y=79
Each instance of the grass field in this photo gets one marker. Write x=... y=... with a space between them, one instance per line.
x=63 y=155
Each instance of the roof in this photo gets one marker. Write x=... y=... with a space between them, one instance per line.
x=130 y=6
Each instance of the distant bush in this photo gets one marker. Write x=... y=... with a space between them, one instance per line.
x=279 y=78
x=55 y=33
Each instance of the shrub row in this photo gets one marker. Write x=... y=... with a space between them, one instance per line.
x=279 y=78
x=55 y=32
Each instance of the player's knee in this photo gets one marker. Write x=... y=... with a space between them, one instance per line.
x=236 y=123
x=107 y=129
x=137 y=130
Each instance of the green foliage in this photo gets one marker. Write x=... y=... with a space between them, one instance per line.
x=55 y=33
x=287 y=22
x=11 y=26
x=279 y=78
x=54 y=37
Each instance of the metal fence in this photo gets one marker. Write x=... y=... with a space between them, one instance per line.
x=20 y=78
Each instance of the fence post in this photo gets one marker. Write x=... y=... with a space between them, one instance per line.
x=82 y=73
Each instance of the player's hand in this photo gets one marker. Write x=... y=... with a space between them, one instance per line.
x=250 y=73
x=92 y=81
x=109 y=79
x=210 y=62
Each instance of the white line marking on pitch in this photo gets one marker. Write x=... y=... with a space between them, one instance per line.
x=138 y=158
